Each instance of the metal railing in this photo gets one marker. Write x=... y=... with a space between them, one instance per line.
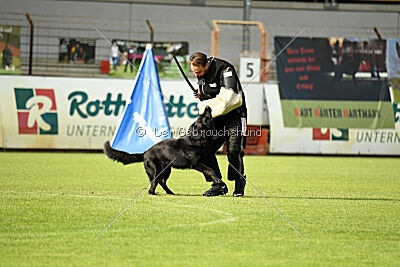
x=50 y=29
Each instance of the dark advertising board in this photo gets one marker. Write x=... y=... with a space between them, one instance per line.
x=127 y=65
x=77 y=50
x=333 y=82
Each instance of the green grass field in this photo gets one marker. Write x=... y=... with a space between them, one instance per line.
x=54 y=204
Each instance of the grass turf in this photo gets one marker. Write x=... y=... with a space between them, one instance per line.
x=54 y=204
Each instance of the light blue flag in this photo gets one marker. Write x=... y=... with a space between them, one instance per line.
x=144 y=121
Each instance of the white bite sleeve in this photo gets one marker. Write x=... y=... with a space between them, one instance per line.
x=223 y=103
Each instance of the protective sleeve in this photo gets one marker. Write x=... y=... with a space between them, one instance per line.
x=223 y=103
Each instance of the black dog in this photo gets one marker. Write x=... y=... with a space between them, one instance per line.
x=183 y=153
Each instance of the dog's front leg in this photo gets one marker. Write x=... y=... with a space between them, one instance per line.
x=152 y=190
x=207 y=171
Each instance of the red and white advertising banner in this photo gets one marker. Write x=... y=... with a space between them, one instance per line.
x=83 y=113
x=328 y=140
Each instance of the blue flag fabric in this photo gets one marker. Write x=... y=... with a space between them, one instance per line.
x=144 y=121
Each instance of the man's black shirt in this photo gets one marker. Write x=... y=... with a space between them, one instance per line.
x=212 y=81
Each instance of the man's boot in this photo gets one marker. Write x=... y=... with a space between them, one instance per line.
x=240 y=184
x=216 y=190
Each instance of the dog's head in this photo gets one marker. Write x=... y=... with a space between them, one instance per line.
x=202 y=130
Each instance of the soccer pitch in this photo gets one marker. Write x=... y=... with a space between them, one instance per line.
x=54 y=204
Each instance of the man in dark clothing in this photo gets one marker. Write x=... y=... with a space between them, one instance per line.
x=220 y=88
x=7 y=58
x=130 y=57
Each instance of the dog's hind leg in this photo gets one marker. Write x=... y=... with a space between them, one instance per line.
x=163 y=181
x=151 y=170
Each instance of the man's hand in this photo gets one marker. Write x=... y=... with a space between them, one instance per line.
x=196 y=93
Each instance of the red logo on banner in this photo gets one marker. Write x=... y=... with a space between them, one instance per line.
x=23 y=127
x=37 y=111
x=328 y=134
x=297 y=112
x=319 y=134
x=345 y=113
x=316 y=112
x=50 y=94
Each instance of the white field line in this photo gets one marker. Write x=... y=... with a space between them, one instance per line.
x=229 y=216
x=19 y=193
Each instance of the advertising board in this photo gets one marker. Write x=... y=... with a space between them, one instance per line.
x=83 y=113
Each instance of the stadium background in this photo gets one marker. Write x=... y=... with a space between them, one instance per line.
x=53 y=204
x=189 y=22
x=186 y=21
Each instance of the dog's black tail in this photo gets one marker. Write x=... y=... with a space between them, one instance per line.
x=120 y=156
